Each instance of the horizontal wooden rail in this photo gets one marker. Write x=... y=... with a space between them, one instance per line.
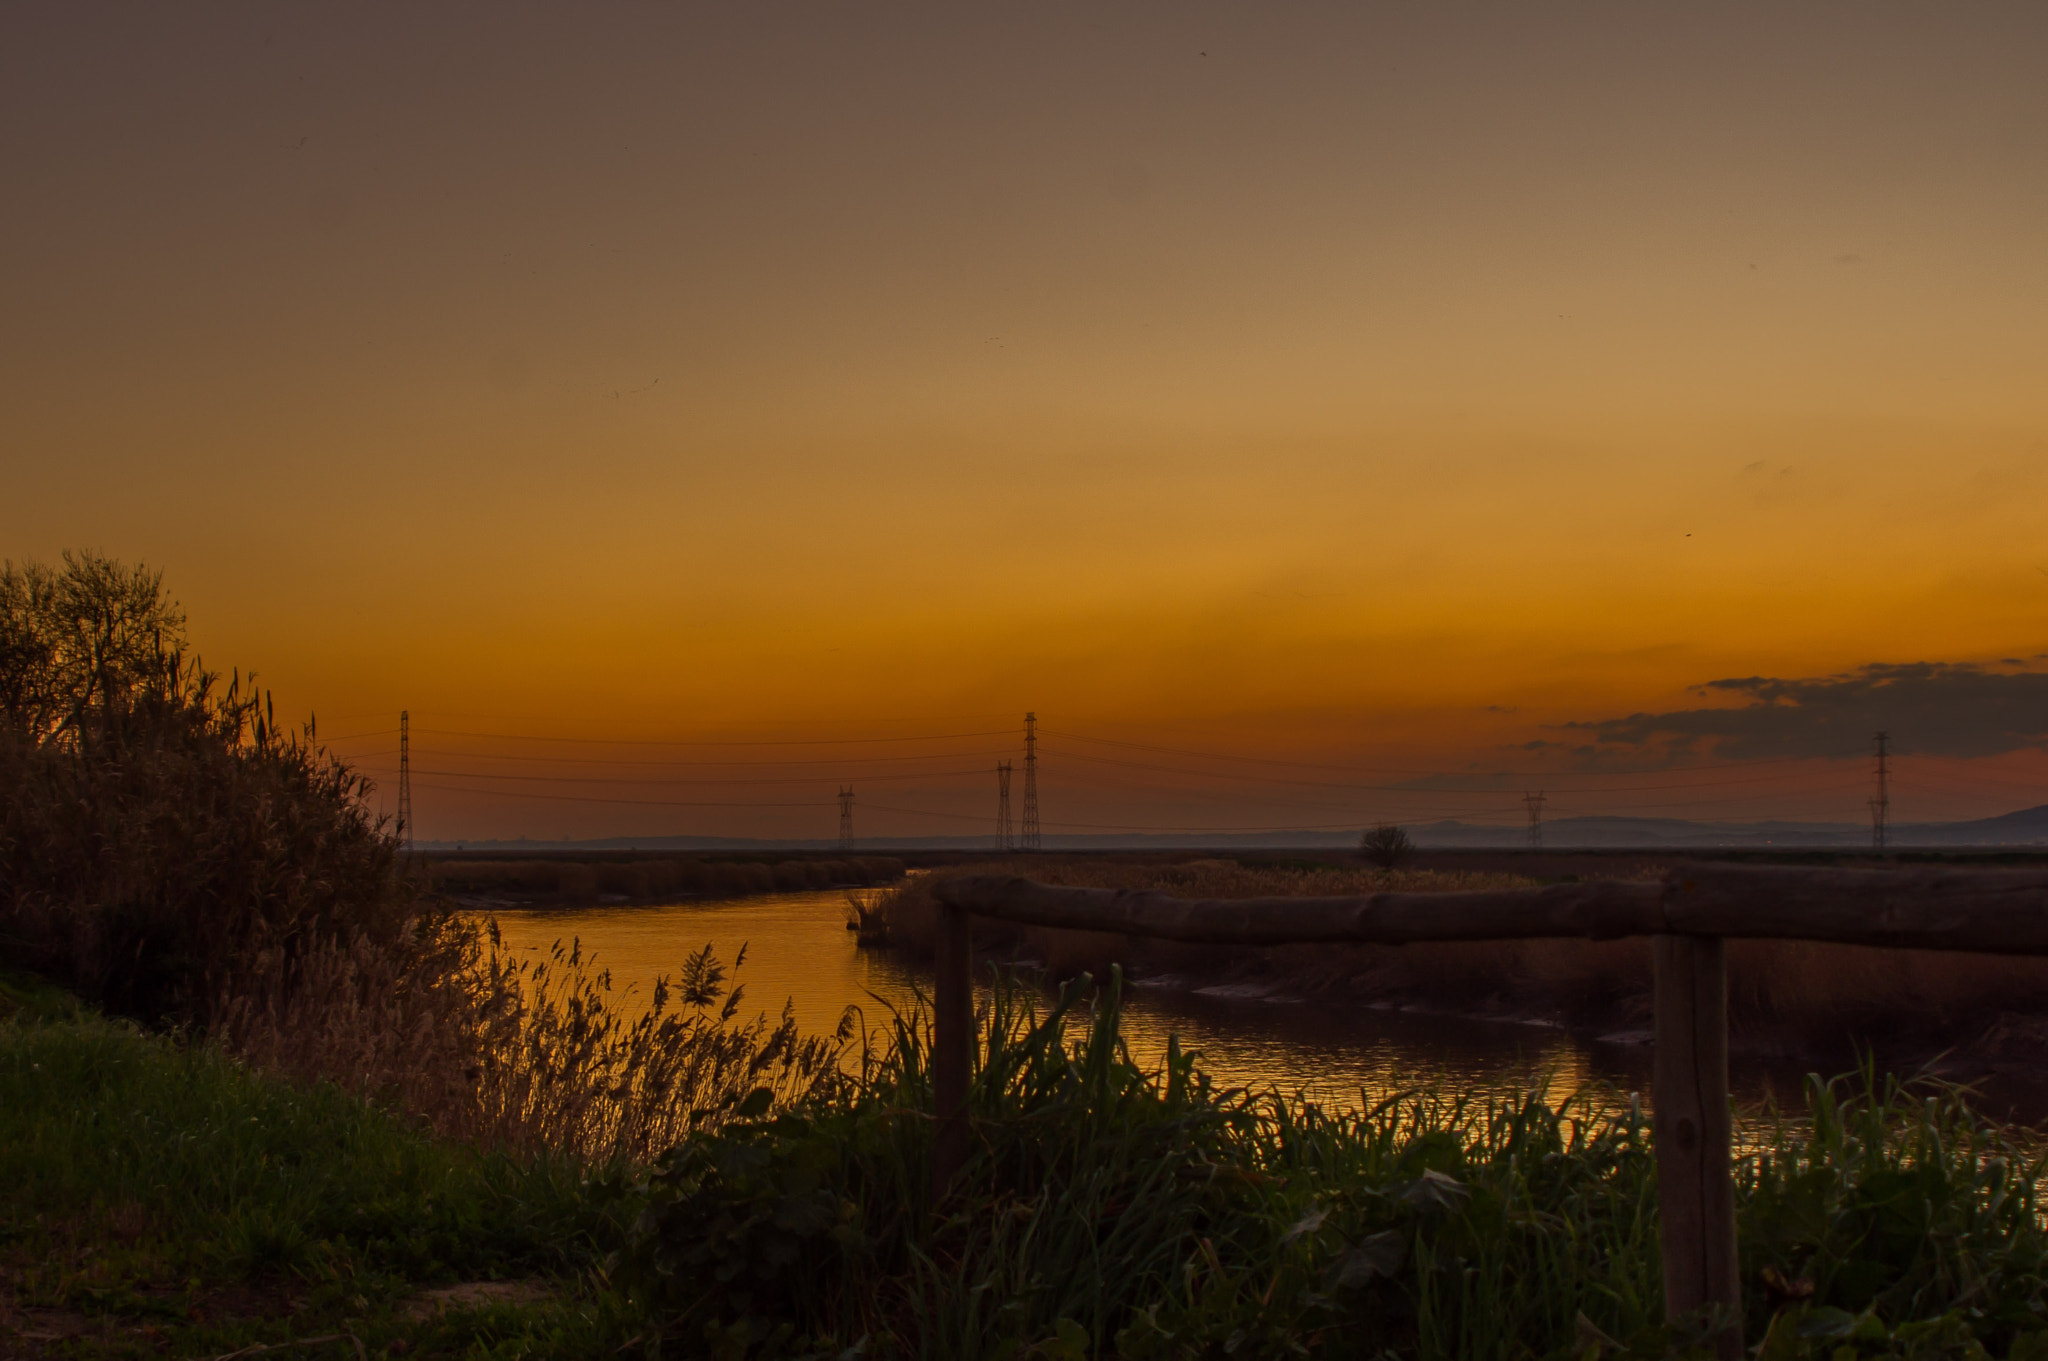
x=1688 y=913
x=1994 y=910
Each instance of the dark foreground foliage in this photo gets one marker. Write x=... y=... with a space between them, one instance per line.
x=171 y=853
x=161 y=1198
x=163 y=840
x=1114 y=1211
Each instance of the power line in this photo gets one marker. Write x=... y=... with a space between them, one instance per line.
x=1407 y=788
x=1922 y=772
x=490 y=784
x=679 y=779
x=1346 y=825
x=1072 y=755
x=1450 y=797
x=1823 y=796
x=1409 y=809
x=1349 y=825
x=648 y=803
x=827 y=761
x=841 y=721
x=980 y=818
x=1389 y=770
x=722 y=742
x=349 y=737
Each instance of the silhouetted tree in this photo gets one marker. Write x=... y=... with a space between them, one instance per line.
x=75 y=640
x=1386 y=846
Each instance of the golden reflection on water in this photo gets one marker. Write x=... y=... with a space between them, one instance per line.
x=1341 y=1055
x=797 y=948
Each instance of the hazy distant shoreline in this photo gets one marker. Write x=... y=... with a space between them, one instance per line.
x=2023 y=830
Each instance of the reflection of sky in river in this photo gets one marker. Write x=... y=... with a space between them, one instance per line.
x=798 y=948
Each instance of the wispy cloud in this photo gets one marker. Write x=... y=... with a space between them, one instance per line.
x=1929 y=708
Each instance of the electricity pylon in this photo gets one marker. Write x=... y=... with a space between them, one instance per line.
x=1003 y=805
x=1534 y=803
x=1030 y=837
x=405 y=778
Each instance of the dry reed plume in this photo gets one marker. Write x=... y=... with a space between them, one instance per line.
x=530 y=1056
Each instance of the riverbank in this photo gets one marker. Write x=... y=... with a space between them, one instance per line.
x=161 y=1199
x=1971 y=1016
x=487 y=883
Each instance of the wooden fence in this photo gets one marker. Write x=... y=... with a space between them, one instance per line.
x=1688 y=915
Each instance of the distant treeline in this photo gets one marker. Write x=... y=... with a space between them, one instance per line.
x=583 y=881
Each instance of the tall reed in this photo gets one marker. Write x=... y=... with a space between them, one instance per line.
x=1111 y=1209
x=532 y=1056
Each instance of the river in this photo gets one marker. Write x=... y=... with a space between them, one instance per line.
x=798 y=948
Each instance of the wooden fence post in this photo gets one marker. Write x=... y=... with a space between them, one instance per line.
x=952 y=1046
x=1695 y=1173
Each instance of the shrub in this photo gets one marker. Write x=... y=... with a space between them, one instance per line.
x=1387 y=846
x=160 y=833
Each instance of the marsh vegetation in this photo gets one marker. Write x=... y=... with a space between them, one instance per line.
x=163 y=1195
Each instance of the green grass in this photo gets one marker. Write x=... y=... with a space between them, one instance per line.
x=1114 y=1211
x=27 y=998
x=160 y=1199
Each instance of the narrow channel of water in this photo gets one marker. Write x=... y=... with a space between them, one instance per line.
x=797 y=948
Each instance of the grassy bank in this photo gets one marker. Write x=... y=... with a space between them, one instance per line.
x=1785 y=996
x=164 y=1200
x=161 y=1199
x=1110 y=1210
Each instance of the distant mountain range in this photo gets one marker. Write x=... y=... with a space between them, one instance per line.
x=2027 y=827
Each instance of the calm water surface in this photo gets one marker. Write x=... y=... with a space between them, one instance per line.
x=798 y=948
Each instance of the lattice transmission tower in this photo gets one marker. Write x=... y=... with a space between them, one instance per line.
x=1534 y=803
x=1003 y=835
x=405 y=778
x=1029 y=840
x=1881 y=806
x=846 y=818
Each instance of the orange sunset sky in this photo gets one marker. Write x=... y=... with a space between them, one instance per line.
x=793 y=395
